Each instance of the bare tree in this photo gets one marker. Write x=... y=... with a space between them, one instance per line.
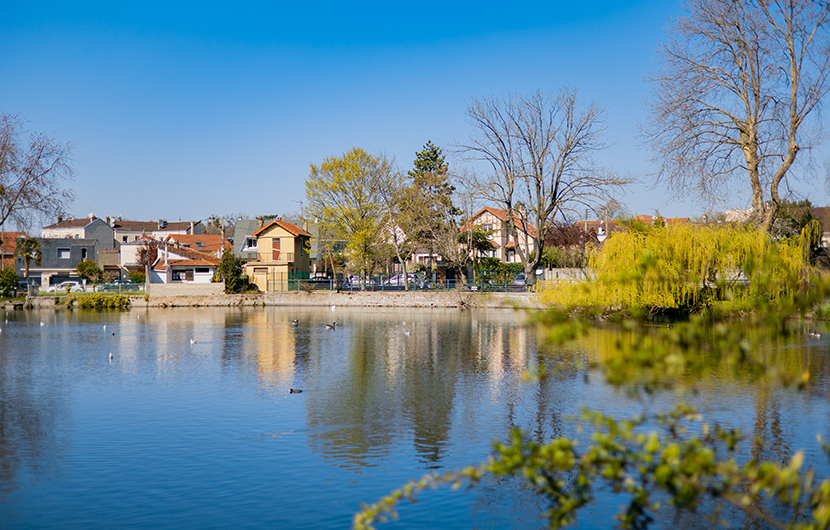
x=146 y=254
x=215 y=223
x=737 y=84
x=540 y=151
x=33 y=168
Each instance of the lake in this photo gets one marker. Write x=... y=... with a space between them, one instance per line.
x=191 y=424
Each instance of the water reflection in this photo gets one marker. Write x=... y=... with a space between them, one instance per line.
x=388 y=395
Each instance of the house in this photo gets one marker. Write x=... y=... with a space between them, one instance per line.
x=128 y=255
x=89 y=227
x=603 y=227
x=8 y=240
x=495 y=220
x=243 y=238
x=59 y=259
x=282 y=254
x=129 y=231
x=176 y=264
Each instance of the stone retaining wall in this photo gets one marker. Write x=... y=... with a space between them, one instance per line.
x=355 y=299
x=442 y=299
x=184 y=289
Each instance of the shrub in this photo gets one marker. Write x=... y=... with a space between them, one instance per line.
x=98 y=301
x=89 y=269
x=8 y=282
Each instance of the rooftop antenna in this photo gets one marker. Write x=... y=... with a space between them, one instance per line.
x=302 y=213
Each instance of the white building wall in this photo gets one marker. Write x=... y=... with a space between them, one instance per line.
x=61 y=233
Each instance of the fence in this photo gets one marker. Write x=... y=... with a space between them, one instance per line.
x=391 y=283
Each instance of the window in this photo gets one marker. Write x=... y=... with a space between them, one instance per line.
x=487 y=227
x=200 y=245
x=183 y=275
x=250 y=244
x=202 y=270
x=124 y=239
x=83 y=254
x=63 y=253
x=275 y=249
x=260 y=270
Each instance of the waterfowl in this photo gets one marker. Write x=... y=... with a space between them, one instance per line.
x=295 y=322
x=42 y=323
x=192 y=341
x=333 y=325
x=110 y=356
x=105 y=327
x=294 y=391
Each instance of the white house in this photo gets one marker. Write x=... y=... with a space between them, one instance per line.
x=182 y=265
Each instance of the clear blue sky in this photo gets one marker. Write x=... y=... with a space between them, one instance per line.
x=193 y=109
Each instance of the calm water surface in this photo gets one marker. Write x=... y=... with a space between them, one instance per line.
x=173 y=434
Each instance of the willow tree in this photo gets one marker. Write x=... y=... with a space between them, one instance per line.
x=345 y=195
x=540 y=152
x=688 y=267
x=737 y=84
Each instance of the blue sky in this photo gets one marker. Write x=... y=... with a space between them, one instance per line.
x=195 y=109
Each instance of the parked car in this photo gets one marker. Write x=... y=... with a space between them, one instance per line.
x=72 y=287
x=24 y=286
x=354 y=283
x=397 y=280
x=118 y=285
x=319 y=281
x=519 y=279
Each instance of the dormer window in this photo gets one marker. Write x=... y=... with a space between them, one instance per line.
x=250 y=244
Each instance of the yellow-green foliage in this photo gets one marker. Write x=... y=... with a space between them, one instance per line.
x=684 y=266
x=99 y=301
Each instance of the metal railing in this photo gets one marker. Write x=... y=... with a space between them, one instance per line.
x=380 y=285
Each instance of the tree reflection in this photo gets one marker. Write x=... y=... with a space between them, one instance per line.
x=30 y=410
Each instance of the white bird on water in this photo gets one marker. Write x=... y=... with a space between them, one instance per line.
x=105 y=327
x=333 y=307
x=42 y=324
x=192 y=341
x=110 y=356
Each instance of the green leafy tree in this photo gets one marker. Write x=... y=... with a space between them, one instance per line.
x=345 y=195
x=90 y=270
x=231 y=270
x=8 y=282
x=28 y=249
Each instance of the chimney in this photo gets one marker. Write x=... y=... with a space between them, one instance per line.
x=259 y=222
x=90 y=216
x=162 y=223
x=60 y=219
x=191 y=227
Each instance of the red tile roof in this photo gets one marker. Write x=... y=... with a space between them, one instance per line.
x=184 y=256
x=502 y=215
x=209 y=243
x=291 y=228
x=9 y=241
x=72 y=223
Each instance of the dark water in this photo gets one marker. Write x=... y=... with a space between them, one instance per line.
x=174 y=434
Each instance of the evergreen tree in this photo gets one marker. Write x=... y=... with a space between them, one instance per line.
x=432 y=214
